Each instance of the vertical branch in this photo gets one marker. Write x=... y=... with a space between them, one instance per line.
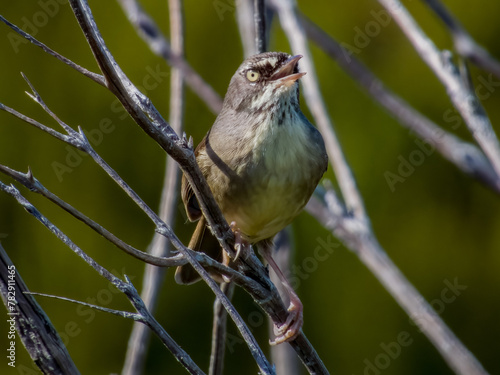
x=160 y=246
x=259 y=14
x=283 y=356
x=219 y=329
x=246 y=25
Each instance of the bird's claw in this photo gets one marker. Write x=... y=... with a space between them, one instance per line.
x=289 y=330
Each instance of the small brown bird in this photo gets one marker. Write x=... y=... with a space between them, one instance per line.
x=262 y=160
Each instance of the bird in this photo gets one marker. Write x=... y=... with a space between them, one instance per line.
x=262 y=160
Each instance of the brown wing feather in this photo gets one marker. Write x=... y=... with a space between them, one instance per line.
x=188 y=198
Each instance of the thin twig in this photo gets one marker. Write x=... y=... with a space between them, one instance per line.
x=87 y=73
x=152 y=35
x=153 y=276
x=465 y=45
x=463 y=98
x=124 y=314
x=466 y=156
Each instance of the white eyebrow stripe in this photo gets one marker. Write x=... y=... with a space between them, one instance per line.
x=272 y=61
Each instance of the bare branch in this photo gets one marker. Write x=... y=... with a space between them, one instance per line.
x=282 y=356
x=464 y=99
x=151 y=34
x=465 y=45
x=246 y=26
x=466 y=156
x=259 y=12
x=124 y=314
x=93 y=76
x=362 y=242
x=219 y=330
x=44 y=346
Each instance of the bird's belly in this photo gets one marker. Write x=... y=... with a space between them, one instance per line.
x=266 y=210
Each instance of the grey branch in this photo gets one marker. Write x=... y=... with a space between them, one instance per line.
x=246 y=25
x=465 y=45
x=219 y=331
x=259 y=14
x=44 y=346
x=461 y=95
x=124 y=314
x=151 y=34
x=360 y=240
x=466 y=156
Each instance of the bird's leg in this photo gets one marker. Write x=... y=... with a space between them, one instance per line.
x=289 y=330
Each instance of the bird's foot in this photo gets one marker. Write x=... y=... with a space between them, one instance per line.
x=240 y=245
x=289 y=330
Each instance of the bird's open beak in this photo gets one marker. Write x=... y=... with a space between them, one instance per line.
x=285 y=74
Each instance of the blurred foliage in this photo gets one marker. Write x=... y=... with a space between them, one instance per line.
x=439 y=226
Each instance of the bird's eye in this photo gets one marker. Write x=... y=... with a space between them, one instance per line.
x=252 y=75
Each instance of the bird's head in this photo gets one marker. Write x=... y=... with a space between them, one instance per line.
x=265 y=82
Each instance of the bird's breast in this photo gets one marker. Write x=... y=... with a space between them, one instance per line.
x=277 y=180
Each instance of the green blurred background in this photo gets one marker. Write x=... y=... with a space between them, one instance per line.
x=438 y=226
